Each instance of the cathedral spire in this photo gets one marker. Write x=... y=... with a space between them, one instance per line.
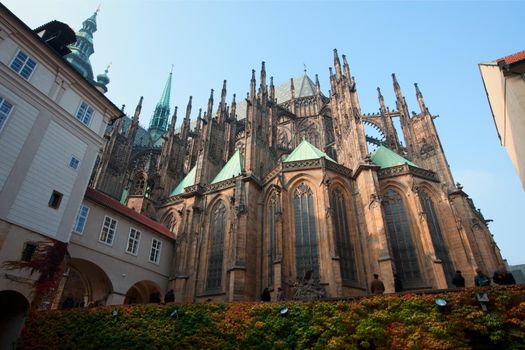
x=252 y=85
x=159 y=121
x=272 y=90
x=135 y=121
x=83 y=48
x=233 y=111
x=185 y=129
x=337 y=66
x=210 y=107
x=173 y=121
x=420 y=100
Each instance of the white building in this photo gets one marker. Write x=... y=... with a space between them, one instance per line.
x=52 y=123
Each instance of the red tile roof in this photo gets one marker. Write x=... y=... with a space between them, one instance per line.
x=109 y=202
x=516 y=57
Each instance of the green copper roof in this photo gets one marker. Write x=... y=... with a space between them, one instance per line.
x=189 y=180
x=386 y=158
x=124 y=196
x=305 y=151
x=159 y=122
x=232 y=169
x=165 y=98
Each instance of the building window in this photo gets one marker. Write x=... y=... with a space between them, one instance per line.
x=400 y=240
x=5 y=110
x=54 y=201
x=74 y=162
x=84 y=113
x=107 y=234
x=23 y=65
x=217 y=228
x=80 y=221
x=306 y=254
x=436 y=235
x=272 y=253
x=29 y=251
x=154 y=255
x=133 y=242
x=343 y=244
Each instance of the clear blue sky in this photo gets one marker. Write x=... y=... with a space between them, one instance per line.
x=437 y=44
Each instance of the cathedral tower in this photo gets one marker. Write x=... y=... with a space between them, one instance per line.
x=159 y=122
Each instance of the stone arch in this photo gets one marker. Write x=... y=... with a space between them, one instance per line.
x=169 y=219
x=270 y=212
x=87 y=284
x=14 y=308
x=434 y=221
x=401 y=237
x=217 y=229
x=346 y=241
x=143 y=292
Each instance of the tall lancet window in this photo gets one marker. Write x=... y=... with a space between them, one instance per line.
x=217 y=228
x=306 y=255
x=271 y=212
x=440 y=246
x=343 y=242
x=401 y=241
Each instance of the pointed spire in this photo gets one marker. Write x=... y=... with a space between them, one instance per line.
x=272 y=90
x=381 y=101
x=223 y=94
x=133 y=126
x=263 y=77
x=210 y=106
x=165 y=97
x=173 y=121
x=347 y=69
x=292 y=88
x=420 y=100
x=199 y=121
x=233 y=110
x=185 y=128
x=337 y=65
x=397 y=88
x=159 y=122
x=83 y=48
x=317 y=86
x=252 y=85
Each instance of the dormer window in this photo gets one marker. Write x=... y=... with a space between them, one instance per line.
x=23 y=65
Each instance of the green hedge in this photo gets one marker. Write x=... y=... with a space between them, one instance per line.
x=383 y=322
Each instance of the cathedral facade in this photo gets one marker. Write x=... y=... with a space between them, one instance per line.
x=287 y=183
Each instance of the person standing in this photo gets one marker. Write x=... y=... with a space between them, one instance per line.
x=280 y=294
x=503 y=277
x=398 y=284
x=169 y=297
x=481 y=280
x=458 y=280
x=265 y=296
x=377 y=286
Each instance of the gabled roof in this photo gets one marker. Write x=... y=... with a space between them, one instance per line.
x=305 y=151
x=304 y=86
x=386 y=158
x=189 y=180
x=108 y=202
x=231 y=169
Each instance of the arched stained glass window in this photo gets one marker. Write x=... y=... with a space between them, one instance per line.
x=343 y=242
x=436 y=235
x=217 y=228
x=306 y=254
x=271 y=212
x=401 y=241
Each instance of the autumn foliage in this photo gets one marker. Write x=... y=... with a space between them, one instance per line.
x=405 y=321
